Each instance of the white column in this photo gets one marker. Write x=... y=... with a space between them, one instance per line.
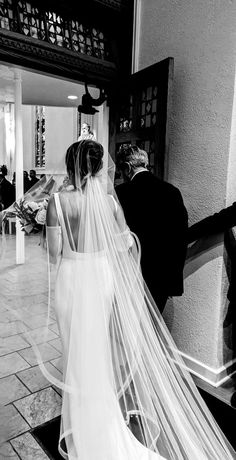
x=20 y=241
x=102 y=126
x=136 y=36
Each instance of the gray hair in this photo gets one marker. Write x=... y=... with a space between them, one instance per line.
x=133 y=155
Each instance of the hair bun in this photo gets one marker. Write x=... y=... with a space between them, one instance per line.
x=84 y=157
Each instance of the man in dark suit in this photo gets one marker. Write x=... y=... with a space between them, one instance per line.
x=222 y=222
x=155 y=211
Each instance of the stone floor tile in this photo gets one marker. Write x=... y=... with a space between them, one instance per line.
x=25 y=300
x=7 y=316
x=56 y=343
x=36 y=308
x=57 y=389
x=11 y=388
x=38 y=335
x=54 y=328
x=13 y=343
x=58 y=363
x=12 y=363
x=40 y=407
x=53 y=315
x=12 y=423
x=11 y=328
x=35 y=380
x=28 y=448
x=7 y=452
x=47 y=354
x=36 y=321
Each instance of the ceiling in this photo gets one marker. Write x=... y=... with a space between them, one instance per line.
x=40 y=89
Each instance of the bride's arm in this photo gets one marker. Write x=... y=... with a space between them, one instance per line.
x=129 y=239
x=53 y=231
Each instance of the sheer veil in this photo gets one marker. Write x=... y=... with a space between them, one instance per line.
x=119 y=348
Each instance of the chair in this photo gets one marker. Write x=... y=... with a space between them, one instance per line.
x=11 y=221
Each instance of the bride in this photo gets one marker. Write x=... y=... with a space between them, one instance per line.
x=121 y=368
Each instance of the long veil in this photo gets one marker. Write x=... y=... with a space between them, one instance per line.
x=120 y=357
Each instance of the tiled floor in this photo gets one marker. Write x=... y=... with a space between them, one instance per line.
x=27 y=399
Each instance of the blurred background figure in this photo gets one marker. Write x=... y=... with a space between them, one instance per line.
x=86 y=133
x=27 y=184
x=33 y=177
x=7 y=190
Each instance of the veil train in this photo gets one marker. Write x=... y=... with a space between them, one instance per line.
x=126 y=392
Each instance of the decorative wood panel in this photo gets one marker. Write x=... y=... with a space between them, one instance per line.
x=49 y=26
x=21 y=50
x=77 y=43
x=139 y=113
x=40 y=136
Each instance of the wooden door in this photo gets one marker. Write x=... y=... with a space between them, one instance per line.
x=139 y=112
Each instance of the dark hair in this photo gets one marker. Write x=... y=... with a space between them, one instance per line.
x=86 y=155
x=3 y=170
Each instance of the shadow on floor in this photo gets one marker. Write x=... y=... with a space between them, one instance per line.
x=47 y=434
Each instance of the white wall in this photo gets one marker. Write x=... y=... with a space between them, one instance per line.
x=60 y=132
x=201 y=37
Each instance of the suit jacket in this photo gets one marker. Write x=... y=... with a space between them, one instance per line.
x=155 y=211
x=216 y=223
x=220 y=222
x=7 y=193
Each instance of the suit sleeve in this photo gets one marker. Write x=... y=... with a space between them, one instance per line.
x=217 y=223
x=180 y=228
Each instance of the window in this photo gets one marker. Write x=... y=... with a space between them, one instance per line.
x=39 y=136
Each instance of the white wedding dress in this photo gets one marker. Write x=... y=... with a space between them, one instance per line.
x=126 y=393
x=92 y=421
x=119 y=359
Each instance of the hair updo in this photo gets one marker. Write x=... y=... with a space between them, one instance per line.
x=3 y=170
x=83 y=158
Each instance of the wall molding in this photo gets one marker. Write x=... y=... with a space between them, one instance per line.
x=213 y=376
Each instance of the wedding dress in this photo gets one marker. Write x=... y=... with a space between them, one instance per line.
x=126 y=393
x=92 y=421
x=119 y=361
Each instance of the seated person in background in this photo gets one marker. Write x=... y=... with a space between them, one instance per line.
x=26 y=185
x=33 y=179
x=7 y=190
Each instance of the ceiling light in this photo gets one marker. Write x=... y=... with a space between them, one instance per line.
x=72 y=97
